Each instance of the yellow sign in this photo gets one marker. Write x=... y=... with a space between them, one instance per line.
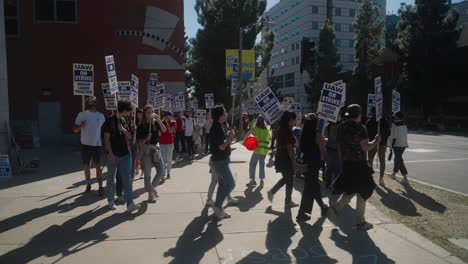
x=248 y=64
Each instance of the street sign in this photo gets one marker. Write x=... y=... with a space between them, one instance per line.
x=370 y=104
x=109 y=99
x=330 y=102
x=269 y=105
x=209 y=100
x=378 y=98
x=395 y=101
x=5 y=170
x=125 y=91
x=83 y=79
x=111 y=74
x=135 y=86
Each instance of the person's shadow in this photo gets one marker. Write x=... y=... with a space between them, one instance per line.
x=422 y=199
x=357 y=243
x=194 y=242
x=252 y=196
x=396 y=202
x=51 y=242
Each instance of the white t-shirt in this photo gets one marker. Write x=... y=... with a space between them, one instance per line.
x=91 y=132
x=189 y=127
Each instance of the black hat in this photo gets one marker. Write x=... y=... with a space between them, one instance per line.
x=168 y=113
x=353 y=111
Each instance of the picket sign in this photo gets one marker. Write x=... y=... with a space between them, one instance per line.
x=125 y=91
x=135 y=92
x=200 y=117
x=180 y=102
x=209 y=100
x=378 y=98
x=331 y=101
x=5 y=169
x=395 y=101
x=269 y=105
x=111 y=74
x=370 y=104
x=109 y=98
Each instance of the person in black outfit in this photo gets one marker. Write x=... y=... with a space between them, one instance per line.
x=312 y=147
x=373 y=129
x=285 y=160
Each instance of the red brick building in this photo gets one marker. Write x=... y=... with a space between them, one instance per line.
x=45 y=37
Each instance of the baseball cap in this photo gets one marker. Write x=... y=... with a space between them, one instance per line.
x=168 y=113
x=260 y=118
x=353 y=110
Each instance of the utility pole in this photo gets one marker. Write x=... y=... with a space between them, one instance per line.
x=239 y=90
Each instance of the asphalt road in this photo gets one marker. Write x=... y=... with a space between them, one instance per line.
x=437 y=159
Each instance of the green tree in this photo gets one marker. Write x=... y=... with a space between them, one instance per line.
x=427 y=36
x=327 y=63
x=263 y=52
x=221 y=22
x=368 y=27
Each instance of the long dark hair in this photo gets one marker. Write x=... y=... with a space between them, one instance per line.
x=261 y=124
x=285 y=118
x=307 y=139
x=144 y=114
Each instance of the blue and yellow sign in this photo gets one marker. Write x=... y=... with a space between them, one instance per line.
x=248 y=64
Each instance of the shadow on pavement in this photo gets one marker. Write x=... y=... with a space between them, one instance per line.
x=252 y=196
x=52 y=242
x=422 y=199
x=396 y=202
x=194 y=242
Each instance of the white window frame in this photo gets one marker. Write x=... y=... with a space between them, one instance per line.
x=55 y=21
x=17 y=22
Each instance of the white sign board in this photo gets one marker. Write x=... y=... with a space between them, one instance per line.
x=180 y=102
x=395 y=101
x=168 y=102
x=253 y=109
x=160 y=96
x=109 y=98
x=200 y=116
x=111 y=74
x=269 y=105
x=151 y=95
x=370 y=104
x=83 y=79
x=341 y=84
x=287 y=102
x=5 y=170
x=209 y=100
x=378 y=98
x=134 y=96
x=195 y=104
x=235 y=76
x=330 y=102
x=125 y=91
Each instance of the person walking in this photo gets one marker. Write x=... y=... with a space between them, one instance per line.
x=208 y=124
x=356 y=178
x=117 y=136
x=139 y=164
x=89 y=123
x=333 y=162
x=312 y=149
x=259 y=154
x=166 y=143
x=372 y=129
x=189 y=125
x=285 y=160
x=398 y=140
x=220 y=142
x=179 y=144
x=148 y=138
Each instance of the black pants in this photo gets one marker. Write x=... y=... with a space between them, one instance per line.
x=118 y=184
x=288 y=180
x=311 y=188
x=179 y=143
x=189 y=141
x=207 y=142
x=399 y=163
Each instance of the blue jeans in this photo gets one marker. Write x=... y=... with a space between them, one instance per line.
x=134 y=151
x=122 y=164
x=333 y=166
x=257 y=158
x=220 y=169
x=149 y=164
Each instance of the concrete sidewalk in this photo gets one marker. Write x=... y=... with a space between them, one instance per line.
x=45 y=218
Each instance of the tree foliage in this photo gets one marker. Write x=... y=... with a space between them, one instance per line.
x=221 y=21
x=427 y=36
x=327 y=63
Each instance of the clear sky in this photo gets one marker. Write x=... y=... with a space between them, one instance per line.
x=191 y=22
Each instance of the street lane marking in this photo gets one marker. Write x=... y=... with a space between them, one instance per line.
x=432 y=160
x=421 y=150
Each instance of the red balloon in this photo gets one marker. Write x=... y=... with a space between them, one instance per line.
x=251 y=143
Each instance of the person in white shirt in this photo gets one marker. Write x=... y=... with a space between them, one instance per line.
x=89 y=123
x=208 y=124
x=189 y=129
x=399 y=141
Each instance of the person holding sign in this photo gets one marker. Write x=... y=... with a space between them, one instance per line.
x=167 y=142
x=89 y=123
x=285 y=160
x=258 y=156
x=148 y=134
x=372 y=128
x=117 y=136
x=356 y=178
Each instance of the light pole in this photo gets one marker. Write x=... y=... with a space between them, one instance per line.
x=239 y=90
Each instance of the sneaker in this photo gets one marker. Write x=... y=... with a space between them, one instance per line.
x=381 y=182
x=364 y=226
x=162 y=181
x=88 y=188
x=225 y=215
x=270 y=196
x=111 y=206
x=331 y=215
x=252 y=183
x=405 y=180
x=291 y=204
x=325 y=210
x=218 y=213
x=302 y=218
x=393 y=175
x=233 y=201
x=101 y=191
x=151 y=199
x=209 y=202
x=168 y=176
x=133 y=207
x=120 y=200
